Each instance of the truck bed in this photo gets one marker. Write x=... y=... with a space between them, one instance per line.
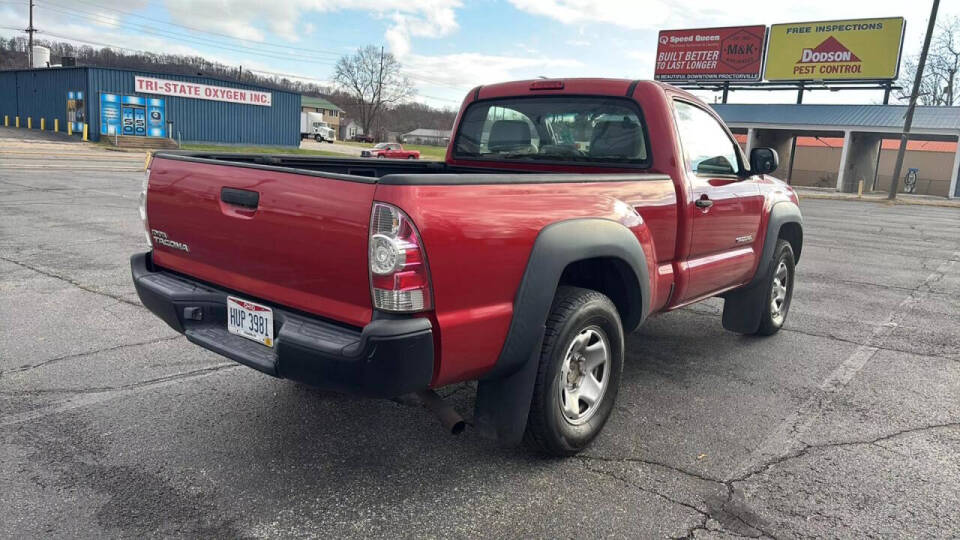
x=304 y=244
x=397 y=172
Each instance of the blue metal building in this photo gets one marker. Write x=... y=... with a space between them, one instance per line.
x=139 y=103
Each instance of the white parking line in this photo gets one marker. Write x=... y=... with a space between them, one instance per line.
x=787 y=437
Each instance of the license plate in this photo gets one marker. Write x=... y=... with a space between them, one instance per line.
x=250 y=320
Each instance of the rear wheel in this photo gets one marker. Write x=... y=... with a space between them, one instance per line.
x=777 y=302
x=579 y=373
x=411 y=157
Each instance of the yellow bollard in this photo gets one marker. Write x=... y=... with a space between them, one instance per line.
x=18 y=121
x=146 y=162
x=29 y=122
x=43 y=124
x=6 y=121
x=56 y=125
x=70 y=128
x=85 y=131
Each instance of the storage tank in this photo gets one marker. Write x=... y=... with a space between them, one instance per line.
x=41 y=56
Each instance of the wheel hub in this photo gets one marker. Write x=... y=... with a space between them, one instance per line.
x=584 y=375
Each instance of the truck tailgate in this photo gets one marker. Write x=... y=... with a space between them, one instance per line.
x=297 y=240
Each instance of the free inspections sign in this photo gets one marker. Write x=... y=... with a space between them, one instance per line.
x=166 y=87
x=857 y=49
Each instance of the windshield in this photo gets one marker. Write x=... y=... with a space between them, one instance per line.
x=563 y=128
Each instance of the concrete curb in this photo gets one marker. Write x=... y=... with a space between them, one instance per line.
x=881 y=199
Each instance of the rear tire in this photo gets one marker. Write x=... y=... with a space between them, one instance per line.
x=776 y=302
x=581 y=362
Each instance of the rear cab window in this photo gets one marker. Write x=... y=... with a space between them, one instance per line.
x=581 y=129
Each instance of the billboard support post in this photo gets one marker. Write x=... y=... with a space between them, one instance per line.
x=908 y=121
x=793 y=140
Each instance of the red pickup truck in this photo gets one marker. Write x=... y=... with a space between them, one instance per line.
x=566 y=213
x=390 y=150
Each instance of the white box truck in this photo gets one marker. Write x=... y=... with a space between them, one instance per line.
x=313 y=126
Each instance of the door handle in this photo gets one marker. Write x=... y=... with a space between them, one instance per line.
x=704 y=202
x=240 y=197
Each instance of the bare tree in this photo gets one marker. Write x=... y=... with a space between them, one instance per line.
x=939 y=84
x=374 y=81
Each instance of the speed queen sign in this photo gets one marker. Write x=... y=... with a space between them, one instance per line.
x=711 y=54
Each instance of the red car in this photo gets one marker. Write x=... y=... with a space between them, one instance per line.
x=567 y=212
x=390 y=150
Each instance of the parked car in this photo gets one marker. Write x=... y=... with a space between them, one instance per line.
x=363 y=138
x=390 y=150
x=566 y=214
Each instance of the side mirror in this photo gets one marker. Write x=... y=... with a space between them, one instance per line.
x=764 y=160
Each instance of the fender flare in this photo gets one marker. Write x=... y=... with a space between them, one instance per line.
x=741 y=313
x=781 y=213
x=504 y=393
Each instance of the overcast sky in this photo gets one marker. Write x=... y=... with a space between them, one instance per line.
x=446 y=46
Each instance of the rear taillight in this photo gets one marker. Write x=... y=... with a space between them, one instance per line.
x=399 y=276
x=143 y=206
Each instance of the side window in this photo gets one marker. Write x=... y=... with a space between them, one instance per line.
x=709 y=149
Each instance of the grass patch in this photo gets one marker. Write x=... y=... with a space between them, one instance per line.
x=257 y=150
x=433 y=153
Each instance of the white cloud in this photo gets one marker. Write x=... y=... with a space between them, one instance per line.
x=661 y=14
x=250 y=19
x=466 y=70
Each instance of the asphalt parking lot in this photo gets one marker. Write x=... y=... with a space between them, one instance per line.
x=845 y=424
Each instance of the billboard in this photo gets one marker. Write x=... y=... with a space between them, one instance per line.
x=711 y=54
x=858 y=49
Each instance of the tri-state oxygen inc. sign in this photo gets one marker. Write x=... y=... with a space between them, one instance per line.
x=859 y=49
x=166 y=87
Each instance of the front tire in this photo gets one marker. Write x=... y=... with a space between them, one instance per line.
x=578 y=378
x=780 y=291
x=318 y=138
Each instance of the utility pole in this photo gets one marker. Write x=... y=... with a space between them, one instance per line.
x=30 y=31
x=240 y=73
x=908 y=121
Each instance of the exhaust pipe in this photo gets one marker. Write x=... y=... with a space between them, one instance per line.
x=448 y=416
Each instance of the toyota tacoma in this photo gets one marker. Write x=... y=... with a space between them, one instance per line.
x=566 y=213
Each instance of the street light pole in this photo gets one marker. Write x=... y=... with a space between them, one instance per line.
x=908 y=121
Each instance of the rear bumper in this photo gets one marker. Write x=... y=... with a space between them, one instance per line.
x=386 y=358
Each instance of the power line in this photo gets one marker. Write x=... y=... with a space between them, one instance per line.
x=203 y=31
x=200 y=41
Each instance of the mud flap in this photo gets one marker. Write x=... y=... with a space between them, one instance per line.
x=742 y=308
x=503 y=403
